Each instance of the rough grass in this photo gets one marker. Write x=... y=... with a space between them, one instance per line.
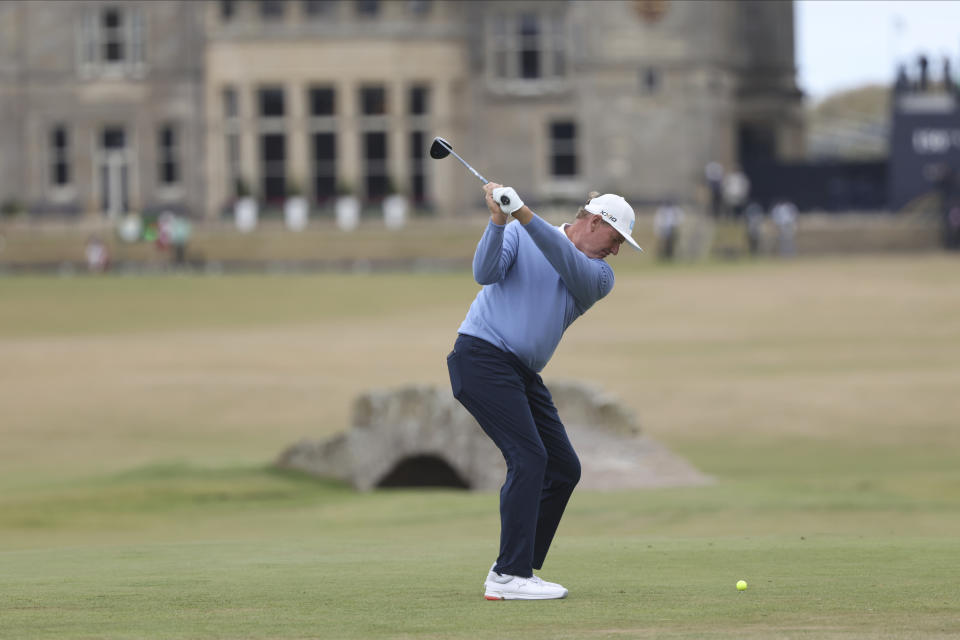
x=140 y=415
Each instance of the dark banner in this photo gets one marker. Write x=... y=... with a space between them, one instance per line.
x=924 y=148
x=821 y=186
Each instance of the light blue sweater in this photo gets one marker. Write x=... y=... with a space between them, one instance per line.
x=536 y=283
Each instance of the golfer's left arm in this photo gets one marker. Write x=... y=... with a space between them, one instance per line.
x=587 y=279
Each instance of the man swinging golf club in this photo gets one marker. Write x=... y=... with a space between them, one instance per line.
x=537 y=279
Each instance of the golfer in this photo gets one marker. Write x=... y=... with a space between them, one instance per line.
x=537 y=279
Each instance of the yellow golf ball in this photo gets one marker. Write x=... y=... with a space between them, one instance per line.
x=741 y=585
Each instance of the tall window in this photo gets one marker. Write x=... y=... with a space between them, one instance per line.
x=272 y=9
x=273 y=161
x=234 y=174
x=59 y=156
x=373 y=100
x=563 y=149
x=231 y=109
x=168 y=155
x=529 y=36
x=419 y=95
x=231 y=115
x=114 y=169
x=526 y=47
x=273 y=143
x=649 y=80
x=322 y=109
x=114 y=138
x=324 y=165
x=375 y=161
x=419 y=109
x=228 y=9
x=319 y=8
x=322 y=101
x=112 y=40
x=373 y=103
x=419 y=7
x=271 y=102
x=418 y=180
x=367 y=8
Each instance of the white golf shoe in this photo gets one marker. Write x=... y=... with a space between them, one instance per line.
x=506 y=587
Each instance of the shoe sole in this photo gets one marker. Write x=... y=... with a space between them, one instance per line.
x=519 y=596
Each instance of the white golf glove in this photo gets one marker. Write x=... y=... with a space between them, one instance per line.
x=508 y=199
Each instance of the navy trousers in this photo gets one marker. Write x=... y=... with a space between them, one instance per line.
x=515 y=409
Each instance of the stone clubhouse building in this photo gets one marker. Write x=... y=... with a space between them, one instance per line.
x=111 y=106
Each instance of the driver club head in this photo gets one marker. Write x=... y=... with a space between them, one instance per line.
x=440 y=148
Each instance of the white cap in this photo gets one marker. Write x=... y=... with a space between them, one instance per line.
x=614 y=210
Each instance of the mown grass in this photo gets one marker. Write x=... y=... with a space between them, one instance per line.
x=180 y=552
x=140 y=416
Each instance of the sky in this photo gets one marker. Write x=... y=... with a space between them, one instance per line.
x=842 y=44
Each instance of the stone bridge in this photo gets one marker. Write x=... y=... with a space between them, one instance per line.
x=421 y=436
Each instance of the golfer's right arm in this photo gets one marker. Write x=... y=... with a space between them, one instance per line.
x=495 y=253
x=498 y=247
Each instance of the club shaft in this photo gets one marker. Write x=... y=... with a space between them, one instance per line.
x=472 y=170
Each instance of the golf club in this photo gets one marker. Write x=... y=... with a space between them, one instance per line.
x=441 y=149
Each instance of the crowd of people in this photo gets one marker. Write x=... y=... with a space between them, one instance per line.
x=920 y=79
x=169 y=233
x=729 y=199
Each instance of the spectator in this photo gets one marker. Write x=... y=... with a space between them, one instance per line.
x=714 y=176
x=924 y=64
x=754 y=215
x=180 y=230
x=666 y=225
x=736 y=189
x=784 y=215
x=97 y=255
x=164 y=230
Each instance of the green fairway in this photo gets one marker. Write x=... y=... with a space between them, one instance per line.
x=140 y=417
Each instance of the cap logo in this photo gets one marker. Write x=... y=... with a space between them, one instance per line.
x=607 y=215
